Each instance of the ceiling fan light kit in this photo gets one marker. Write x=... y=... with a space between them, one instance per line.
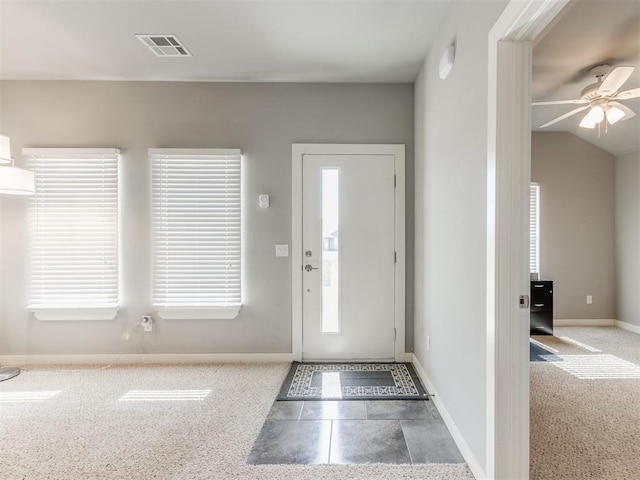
x=595 y=116
x=614 y=114
x=601 y=98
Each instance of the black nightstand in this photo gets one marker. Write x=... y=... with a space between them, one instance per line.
x=541 y=311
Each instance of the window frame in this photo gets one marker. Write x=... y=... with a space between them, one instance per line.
x=534 y=244
x=53 y=312
x=195 y=312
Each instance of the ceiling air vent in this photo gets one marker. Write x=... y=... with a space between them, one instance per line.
x=164 y=45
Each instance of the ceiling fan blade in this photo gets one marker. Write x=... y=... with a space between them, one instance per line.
x=566 y=115
x=615 y=80
x=633 y=93
x=561 y=102
x=628 y=113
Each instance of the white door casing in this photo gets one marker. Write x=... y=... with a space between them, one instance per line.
x=361 y=211
x=508 y=179
x=348 y=253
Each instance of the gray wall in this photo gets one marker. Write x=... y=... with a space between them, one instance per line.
x=261 y=119
x=577 y=232
x=451 y=219
x=628 y=237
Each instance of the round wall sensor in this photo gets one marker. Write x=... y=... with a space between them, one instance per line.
x=446 y=61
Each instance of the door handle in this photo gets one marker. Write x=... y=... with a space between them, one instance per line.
x=308 y=268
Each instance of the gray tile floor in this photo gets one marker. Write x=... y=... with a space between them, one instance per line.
x=343 y=432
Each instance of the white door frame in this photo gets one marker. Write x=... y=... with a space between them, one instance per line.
x=298 y=150
x=508 y=178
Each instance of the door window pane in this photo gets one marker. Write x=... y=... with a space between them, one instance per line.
x=330 y=250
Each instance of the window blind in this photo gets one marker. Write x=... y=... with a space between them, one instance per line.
x=74 y=228
x=534 y=228
x=196 y=228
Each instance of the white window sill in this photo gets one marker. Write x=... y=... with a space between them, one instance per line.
x=61 y=314
x=207 y=313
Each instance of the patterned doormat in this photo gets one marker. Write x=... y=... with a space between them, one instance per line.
x=352 y=381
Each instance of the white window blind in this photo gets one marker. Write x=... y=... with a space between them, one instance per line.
x=534 y=228
x=74 y=229
x=196 y=228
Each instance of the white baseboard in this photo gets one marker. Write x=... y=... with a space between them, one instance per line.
x=596 y=322
x=134 y=358
x=584 y=322
x=462 y=444
x=628 y=326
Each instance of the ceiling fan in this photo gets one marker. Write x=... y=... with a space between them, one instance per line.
x=601 y=98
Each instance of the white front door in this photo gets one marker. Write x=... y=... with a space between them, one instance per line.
x=348 y=257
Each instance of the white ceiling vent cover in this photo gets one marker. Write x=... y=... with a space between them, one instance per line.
x=164 y=45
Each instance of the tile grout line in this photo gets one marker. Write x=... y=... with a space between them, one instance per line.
x=330 y=442
x=405 y=442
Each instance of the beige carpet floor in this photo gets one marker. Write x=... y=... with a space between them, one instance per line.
x=585 y=406
x=156 y=422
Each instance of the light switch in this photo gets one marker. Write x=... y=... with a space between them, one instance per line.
x=282 y=250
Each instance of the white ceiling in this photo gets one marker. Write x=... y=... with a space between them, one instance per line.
x=377 y=41
x=231 y=40
x=586 y=34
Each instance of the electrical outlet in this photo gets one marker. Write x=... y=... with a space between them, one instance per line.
x=428 y=343
x=147 y=323
x=589 y=299
x=126 y=334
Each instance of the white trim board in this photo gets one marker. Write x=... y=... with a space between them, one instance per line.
x=596 y=322
x=508 y=179
x=298 y=150
x=194 y=152
x=462 y=444
x=584 y=322
x=630 y=327
x=74 y=314
x=137 y=358
x=74 y=152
